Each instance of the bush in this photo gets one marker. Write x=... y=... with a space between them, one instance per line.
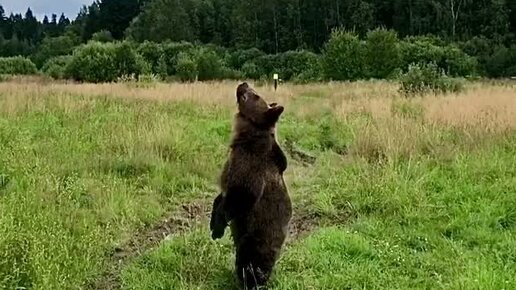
x=153 y=54
x=55 y=46
x=237 y=59
x=290 y=65
x=457 y=63
x=425 y=78
x=308 y=76
x=105 y=62
x=266 y=65
x=231 y=74
x=93 y=62
x=343 y=56
x=102 y=36
x=209 y=65
x=250 y=70
x=128 y=61
x=419 y=52
x=383 y=53
x=186 y=67
x=498 y=64
x=494 y=58
x=299 y=64
x=171 y=51
x=56 y=67
x=17 y=65
x=450 y=58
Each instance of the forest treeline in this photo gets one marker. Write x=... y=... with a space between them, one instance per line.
x=483 y=30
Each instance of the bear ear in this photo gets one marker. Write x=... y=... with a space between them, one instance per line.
x=274 y=113
x=241 y=91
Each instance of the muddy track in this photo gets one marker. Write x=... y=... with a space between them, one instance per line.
x=175 y=223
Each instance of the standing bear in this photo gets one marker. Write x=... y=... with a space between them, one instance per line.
x=254 y=198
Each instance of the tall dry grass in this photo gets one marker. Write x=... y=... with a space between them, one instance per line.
x=488 y=106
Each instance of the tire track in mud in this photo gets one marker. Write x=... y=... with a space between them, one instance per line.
x=145 y=239
x=176 y=223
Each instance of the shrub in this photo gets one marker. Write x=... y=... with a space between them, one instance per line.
x=171 y=51
x=238 y=58
x=102 y=36
x=231 y=74
x=298 y=64
x=55 y=46
x=186 y=67
x=56 y=67
x=290 y=65
x=128 y=61
x=105 y=62
x=209 y=65
x=457 y=63
x=447 y=57
x=343 y=56
x=308 y=76
x=498 y=64
x=17 y=65
x=142 y=81
x=426 y=78
x=250 y=70
x=267 y=65
x=152 y=52
x=382 y=53
x=93 y=62
x=419 y=52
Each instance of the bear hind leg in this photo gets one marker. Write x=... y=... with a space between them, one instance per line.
x=252 y=272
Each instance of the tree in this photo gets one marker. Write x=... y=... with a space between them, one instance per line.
x=163 y=20
x=343 y=57
x=62 y=24
x=383 y=53
x=456 y=8
x=30 y=30
x=54 y=46
x=2 y=22
x=115 y=15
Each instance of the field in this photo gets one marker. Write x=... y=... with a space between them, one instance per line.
x=109 y=186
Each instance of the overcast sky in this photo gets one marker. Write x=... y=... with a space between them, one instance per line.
x=45 y=7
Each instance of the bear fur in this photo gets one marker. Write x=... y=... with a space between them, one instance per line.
x=254 y=198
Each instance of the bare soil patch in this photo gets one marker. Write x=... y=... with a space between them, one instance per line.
x=175 y=223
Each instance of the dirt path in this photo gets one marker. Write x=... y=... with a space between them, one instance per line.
x=148 y=238
x=177 y=222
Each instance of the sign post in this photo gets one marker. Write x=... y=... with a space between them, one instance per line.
x=276 y=78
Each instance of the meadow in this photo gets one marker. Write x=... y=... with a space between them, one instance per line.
x=109 y=186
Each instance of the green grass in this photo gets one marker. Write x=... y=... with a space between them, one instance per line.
x=426 y=207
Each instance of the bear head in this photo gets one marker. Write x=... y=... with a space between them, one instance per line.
x=254 y=109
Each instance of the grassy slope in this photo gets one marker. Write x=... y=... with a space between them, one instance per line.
x=401 y=201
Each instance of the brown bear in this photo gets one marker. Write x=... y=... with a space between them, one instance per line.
x=254 y=196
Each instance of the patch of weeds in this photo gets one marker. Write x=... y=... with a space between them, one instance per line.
x=127 y=168
x=5 y=77
x=175 y=265
x=333 y=134
x=406 y=109
x=4 y=180
x=422 y=79
x=72 y=188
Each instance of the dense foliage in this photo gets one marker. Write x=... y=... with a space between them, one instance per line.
x=17 y=65
x=253 y=38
